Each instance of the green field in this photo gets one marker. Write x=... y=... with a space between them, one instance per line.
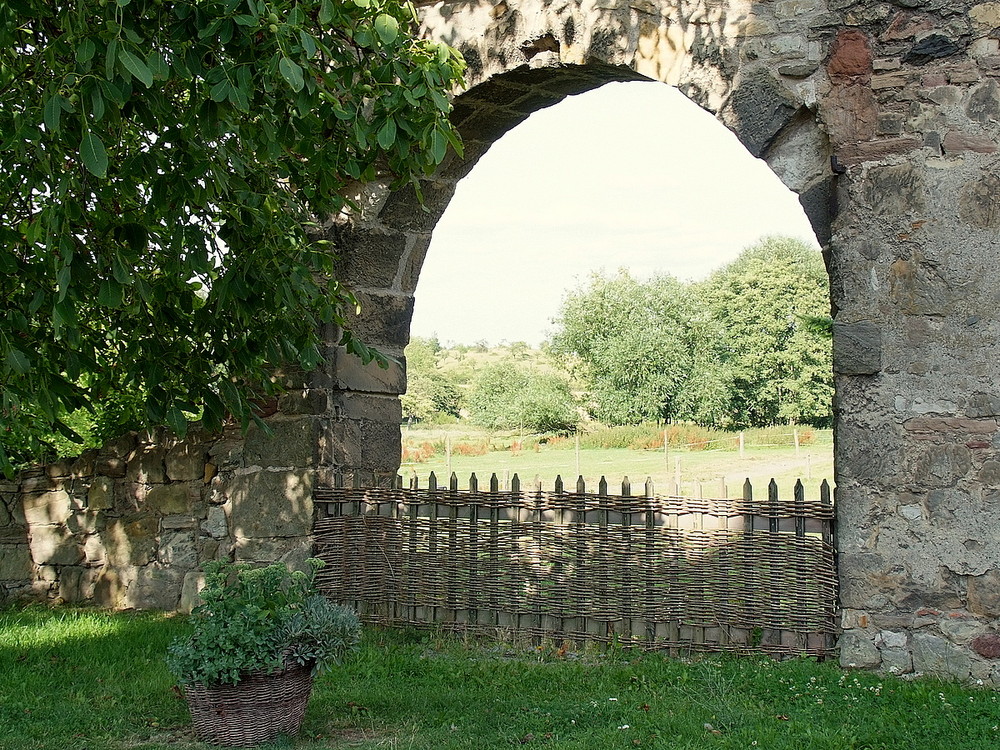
x=716 y=471
x=88 y=680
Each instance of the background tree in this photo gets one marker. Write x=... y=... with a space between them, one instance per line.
x=160 y=164
x=757 y=343
x=429 y=393
x=509 y=396
x=633 y=344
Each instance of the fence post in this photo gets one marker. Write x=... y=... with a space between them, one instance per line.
x=795 y=434
x=577 y=436
x=748 y=506
x=677 y=476
x=800 y=509
x=772 y=502
x=742 y=442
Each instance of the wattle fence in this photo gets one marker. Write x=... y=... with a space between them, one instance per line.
x=744 y=574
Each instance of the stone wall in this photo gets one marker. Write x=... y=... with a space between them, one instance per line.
x=130 y=525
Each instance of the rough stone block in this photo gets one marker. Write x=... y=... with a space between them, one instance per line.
x=112 y=585
x=145 y=466
x=984 y=594
x=101 y=494
x=293 y=443
x=955 y=142
x=761 y=108
x=216 y=525
x=130 y=542
x=5 y=517
x=15 y=562
x=857 y=348
x=178 y=549
x=156 y=587
x=384 y=320
x=194 y=582
x=83 y=522
x=941 y=465
x=309 y=401
x=937 y=656
x=169 y=499
x=352 y=375
x=186 y=462
x=77 y=584
x=987 y=646
x=292 y=551
x=93 y=550
x=54 y=545
x=857 y=650
x=272 y=504
x=403 y=209
x=896 y=660
x=46 y=507
x=368 y=259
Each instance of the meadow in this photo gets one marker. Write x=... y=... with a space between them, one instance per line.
x=89 y=680
x=705 y=461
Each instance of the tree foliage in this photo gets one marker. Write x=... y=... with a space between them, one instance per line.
x=761 y=309
x=429 y=392
x=741 y=349
x=632 y=340
x=508 y=396
x=161 y=162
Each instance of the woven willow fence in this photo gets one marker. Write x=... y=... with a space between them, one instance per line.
x=654 y=572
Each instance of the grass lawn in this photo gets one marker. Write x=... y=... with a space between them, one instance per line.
x=90 y=680
x=811 y=463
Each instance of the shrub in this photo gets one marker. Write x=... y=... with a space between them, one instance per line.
x=260 y=620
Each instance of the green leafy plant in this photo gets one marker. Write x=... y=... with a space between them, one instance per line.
x=261 y=620
x=165 y=166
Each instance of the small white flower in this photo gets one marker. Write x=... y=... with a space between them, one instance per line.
x=624 y=726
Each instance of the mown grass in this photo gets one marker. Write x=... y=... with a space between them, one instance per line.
x=94 y=681
x=701 y=469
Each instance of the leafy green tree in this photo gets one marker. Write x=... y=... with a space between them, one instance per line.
x=507 y=396
x=429 y=391
x=758 y=342
x=161 y=163
x=633 y=344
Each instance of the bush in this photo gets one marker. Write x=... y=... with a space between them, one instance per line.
x=261 y=620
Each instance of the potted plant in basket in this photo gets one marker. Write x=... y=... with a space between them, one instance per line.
x=258 y=638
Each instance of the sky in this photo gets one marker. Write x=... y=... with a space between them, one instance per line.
x=630 y=175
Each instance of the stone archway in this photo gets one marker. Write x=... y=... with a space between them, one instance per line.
x=885 y=122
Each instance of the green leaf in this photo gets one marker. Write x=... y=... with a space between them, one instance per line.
x=220 y=91
x=95 y=158
x=53 y=110
x=136 y=67
x=63 y=278
x=111 y=294
x=85 y=52
x=292 y=73
x=308 y=43
x=97 y=104
x=439 y=145
x=176 y=421
x=17 y=361
x=387 y=134
x=386 y=27
x=325 y=12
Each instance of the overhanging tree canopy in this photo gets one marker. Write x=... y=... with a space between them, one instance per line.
x=160 y=164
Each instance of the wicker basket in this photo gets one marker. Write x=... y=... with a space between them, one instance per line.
x=253 y=712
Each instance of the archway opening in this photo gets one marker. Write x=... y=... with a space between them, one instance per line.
x=627 y=176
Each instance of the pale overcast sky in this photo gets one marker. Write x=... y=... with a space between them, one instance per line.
x=629 y=175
